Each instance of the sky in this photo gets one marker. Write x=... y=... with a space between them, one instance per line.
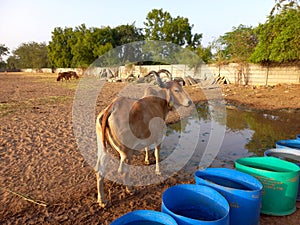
x=34 y=20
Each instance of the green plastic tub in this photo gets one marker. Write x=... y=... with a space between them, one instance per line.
x=280 y=181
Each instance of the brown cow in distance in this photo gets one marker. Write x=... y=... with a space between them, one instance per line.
x=67 y=75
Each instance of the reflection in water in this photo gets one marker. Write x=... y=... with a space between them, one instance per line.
x=248 y=132
x=267 y=127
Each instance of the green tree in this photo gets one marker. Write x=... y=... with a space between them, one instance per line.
x=30 y=55
x=13 y=62
x=125 y=34
x=162 y=26
x=239 y=44
x=3 y=52
x=59 y=48
x=100 y=41
x=204 y=53
x=282 y=5
x=219 y=54
x=279 y=38
x=81 y=46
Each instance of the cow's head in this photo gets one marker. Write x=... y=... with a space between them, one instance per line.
x=175 y=95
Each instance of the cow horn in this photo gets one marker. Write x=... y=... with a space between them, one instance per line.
x=158 y=79
x=166 y=72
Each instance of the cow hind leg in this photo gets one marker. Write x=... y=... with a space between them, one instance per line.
x=100 y=174
x=124 y=166
x=100 y=187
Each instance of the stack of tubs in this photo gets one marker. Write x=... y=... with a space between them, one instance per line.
x=223 y=196
x=288 y=150
x=220 y=197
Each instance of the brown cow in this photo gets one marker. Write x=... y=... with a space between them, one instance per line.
x=131 y=124
x=67 y=75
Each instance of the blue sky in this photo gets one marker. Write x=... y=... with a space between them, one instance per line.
x=34 y=20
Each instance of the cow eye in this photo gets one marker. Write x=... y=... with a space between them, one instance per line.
x=176 y=90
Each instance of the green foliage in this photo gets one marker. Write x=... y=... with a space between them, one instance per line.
x=59 y=48
x=282 y=5
x=3 y=51
x=124 y=34
x=81 y=46
x=237 y=45
x=29 y=55
x=279 y=38
x=84 y=43
x=204 y=53
x=219 y=54
x=161 y=26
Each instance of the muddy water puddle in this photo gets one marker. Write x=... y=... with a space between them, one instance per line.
x=216 y=136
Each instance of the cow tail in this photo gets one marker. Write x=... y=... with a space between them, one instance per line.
x=103 y=121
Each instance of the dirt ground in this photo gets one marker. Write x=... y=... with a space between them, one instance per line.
x=45 y=180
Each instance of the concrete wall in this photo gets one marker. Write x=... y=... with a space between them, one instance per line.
x=176 y=70
x=255 y=74
x=252 y=74
x=79 y=71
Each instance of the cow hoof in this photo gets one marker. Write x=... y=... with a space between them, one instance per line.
x=147 y=162
x=158 y=173
x=130 y=191
x=102 y=204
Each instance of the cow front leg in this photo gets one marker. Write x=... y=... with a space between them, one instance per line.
x=156 y=154
x=147 y=156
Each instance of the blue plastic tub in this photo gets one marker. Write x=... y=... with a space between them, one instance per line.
x=143 y=217
x=242 y=191
x=292 y=143
x=298 y=137
x=287 y=154
x=195 y=204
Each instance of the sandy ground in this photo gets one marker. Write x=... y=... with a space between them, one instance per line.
x=45 y=180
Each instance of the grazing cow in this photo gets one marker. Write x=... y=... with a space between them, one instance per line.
x=67 y=75
x=62 y=76
x=73 y=74
x=131 y=124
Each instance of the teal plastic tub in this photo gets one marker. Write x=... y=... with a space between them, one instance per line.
x=280 y=180
x=287 y=154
